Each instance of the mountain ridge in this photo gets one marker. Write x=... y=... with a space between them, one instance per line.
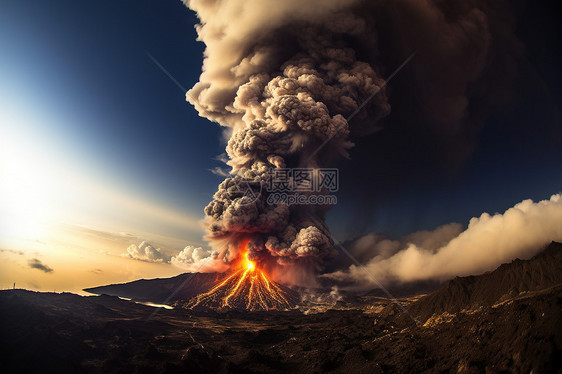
x=160 y=290
x=506 y=282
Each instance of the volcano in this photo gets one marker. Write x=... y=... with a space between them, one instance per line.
x=246 y=287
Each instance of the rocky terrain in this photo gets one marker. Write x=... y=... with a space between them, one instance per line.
x=505 y=321
x=518 y=279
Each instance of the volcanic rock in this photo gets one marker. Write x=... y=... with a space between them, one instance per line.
x=517 y=279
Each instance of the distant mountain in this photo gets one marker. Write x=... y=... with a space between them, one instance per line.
x=161 y=290
x=508 y=281
x=180 y=289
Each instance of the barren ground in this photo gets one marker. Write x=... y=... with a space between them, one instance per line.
x=69 y=333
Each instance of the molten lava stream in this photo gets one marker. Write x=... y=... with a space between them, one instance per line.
x=247 y=287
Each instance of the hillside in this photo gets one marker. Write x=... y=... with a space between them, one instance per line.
x=160 y=290
x=518 y=278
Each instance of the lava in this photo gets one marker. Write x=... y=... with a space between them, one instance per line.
x=247 y=287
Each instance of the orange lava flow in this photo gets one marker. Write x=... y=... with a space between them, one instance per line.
x=247 y=287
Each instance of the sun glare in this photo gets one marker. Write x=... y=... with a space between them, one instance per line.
x=24 y=194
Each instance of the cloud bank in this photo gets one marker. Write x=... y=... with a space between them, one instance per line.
x=489 y=240
x=190 y=258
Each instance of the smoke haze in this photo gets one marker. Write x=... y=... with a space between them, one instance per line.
x=283 y=80
x=448 y=251
x=283 y=77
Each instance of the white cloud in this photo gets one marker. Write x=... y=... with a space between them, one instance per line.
x=192 y=258
x=489 y=240
x=146 y=252
x=221 y=172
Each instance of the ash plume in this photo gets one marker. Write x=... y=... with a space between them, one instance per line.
x=488 y=241
x=282 y=77
x=283 y=84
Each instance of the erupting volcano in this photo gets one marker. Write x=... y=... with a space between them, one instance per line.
x=245 y=287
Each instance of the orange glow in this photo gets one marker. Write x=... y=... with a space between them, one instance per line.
x=247 y=287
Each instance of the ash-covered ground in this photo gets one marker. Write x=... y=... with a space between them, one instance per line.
x=508 y=320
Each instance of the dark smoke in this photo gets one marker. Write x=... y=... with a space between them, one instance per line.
x=284 y=76
x=468 y=67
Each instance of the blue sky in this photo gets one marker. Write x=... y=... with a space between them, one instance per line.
x=80 y=74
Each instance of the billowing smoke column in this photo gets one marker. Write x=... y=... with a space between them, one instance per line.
x=285 y=93
x=284 y=76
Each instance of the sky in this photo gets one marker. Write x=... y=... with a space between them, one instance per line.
x=99 y=149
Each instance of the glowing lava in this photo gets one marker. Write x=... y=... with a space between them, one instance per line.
x=246 y=287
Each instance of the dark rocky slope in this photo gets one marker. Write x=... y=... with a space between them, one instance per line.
x=505 y=321
x=161 y=290
x=516 y=279
x=52 y=333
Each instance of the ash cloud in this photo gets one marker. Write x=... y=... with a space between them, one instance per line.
x=283 y=82
x=35 y=263
x=487 y=242
x=380 y=246
x=282 y=77
x=470 y=67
